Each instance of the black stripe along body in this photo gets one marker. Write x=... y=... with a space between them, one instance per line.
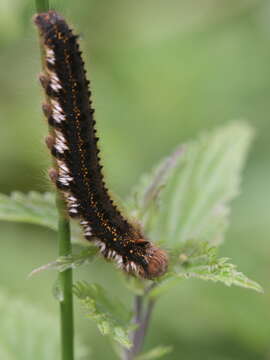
x=74 y=145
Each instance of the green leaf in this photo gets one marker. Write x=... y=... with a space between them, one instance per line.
x=144 y=199
x=69 y=262
x=194 y=202
x=35 y=208
x=110 y=315
x=200 y=260
x=156 y=353
x=29 y=333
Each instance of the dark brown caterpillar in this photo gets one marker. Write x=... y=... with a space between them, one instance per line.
x=73 y=143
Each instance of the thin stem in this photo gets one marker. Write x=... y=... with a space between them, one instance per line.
x=142 y=316
x=65 y=277
x=142 y=330
x=138 y=304
x=64 y=249
x=138 y=313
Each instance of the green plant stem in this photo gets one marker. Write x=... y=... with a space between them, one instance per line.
x=64 y=249
x=65 y=277
x=42 y=5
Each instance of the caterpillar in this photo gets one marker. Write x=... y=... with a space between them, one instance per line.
x=77 y=172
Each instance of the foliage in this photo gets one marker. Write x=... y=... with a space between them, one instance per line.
x=194 y=204
x=110 y=315
x=200 y=260
x=69 y=262
x=29 y=333
x=32 y=208
x=184 y=203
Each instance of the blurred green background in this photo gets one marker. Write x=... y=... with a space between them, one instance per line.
x=161 y=71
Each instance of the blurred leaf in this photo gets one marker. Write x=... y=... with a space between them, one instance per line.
x=29 y=333
x=143 y=202
x=71 y=261
x=155 y=353
x=199 y=260
x=110 y=315
x=194 y=203
x=35 y=208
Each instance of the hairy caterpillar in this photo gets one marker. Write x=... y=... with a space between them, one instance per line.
x=73 y=143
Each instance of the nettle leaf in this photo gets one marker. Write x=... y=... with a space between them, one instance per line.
x=156 y=353
x=200 y=260
x=193 y=201
x=143 y=202
x=29 y=333
x=69 y=262
x=35 y=208
x=110 y=315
